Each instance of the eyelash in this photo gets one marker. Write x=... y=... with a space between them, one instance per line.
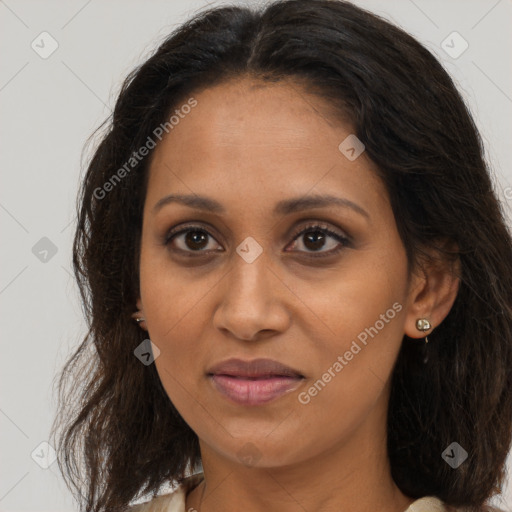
x=344 y=241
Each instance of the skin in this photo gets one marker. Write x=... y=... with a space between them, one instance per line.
x=248 y=146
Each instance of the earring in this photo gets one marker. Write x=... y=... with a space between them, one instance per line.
x=136 y=316
x=422 y=324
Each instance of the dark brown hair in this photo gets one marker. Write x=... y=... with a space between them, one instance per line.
x=120 y=437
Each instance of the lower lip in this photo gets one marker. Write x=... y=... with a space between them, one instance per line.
x=254 y=391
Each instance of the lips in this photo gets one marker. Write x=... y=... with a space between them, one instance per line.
x=254 y=369
x=255 y=382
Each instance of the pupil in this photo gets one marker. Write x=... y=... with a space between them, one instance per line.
x=316 y=237
x=194 y=238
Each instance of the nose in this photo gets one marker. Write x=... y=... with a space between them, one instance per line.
x=252 y=301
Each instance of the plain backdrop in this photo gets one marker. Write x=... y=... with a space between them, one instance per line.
x=51 y=105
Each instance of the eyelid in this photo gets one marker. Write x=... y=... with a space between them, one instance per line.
x=322 y=226
x=177 y=230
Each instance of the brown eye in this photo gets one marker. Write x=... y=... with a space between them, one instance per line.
x=196 y=239
x=316 y=237
x=311 y=240
x=192 y=239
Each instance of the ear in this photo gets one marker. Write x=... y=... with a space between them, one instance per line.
x=432 y=292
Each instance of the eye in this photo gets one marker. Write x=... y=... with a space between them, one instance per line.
x=190 y=239
x=195 y=239
x=313 y=237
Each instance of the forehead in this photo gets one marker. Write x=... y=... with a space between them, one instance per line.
x=249 y=138
x=245 y=110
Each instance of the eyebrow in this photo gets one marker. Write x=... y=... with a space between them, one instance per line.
x=283 y=207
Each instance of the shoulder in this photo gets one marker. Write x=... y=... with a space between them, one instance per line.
x=161 y=503
x=433 y=504
x=427 y=504
x=492 y=508
x=172 y=501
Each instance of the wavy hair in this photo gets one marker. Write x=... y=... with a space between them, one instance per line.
x=119 y=435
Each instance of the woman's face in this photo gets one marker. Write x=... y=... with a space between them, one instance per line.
x=242 y=283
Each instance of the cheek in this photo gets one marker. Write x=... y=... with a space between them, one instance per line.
x=362 y=293
x=172 y=296
x=356 y=337
x=351 y=381
x=177 y=321
x=355 y=365
x=174 y=311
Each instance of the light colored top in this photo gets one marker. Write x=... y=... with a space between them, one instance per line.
x=175 y=500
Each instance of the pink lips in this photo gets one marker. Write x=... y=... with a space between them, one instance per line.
x=255 y=391
x=253 y=382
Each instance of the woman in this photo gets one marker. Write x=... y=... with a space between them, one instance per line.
x=297 y=275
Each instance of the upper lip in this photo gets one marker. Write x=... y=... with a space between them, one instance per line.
x=254 y=368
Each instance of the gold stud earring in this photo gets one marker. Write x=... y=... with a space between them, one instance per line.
x=422 y=324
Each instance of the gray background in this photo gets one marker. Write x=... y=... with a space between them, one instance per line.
x=49 y=108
